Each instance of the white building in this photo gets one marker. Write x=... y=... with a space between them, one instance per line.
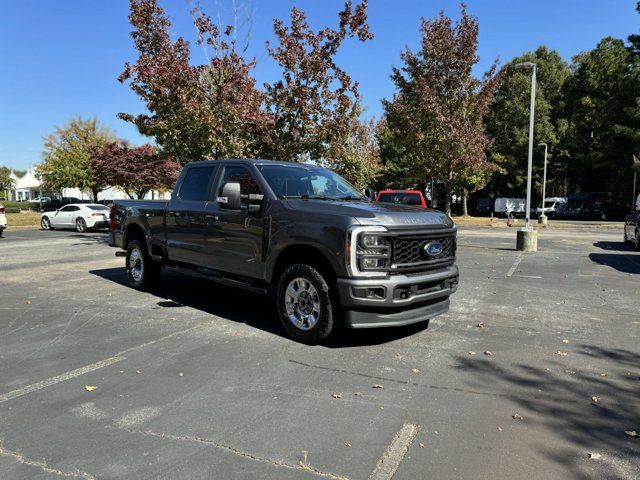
x=27 y=186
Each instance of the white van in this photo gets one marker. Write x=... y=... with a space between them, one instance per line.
x=507 y=206
x=551 y=206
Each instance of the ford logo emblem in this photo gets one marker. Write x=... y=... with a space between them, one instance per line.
x=433 y=249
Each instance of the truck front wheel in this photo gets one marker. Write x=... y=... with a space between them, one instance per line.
x=142 y=271
x=305 y=305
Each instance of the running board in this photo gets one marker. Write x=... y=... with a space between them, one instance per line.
x=215 y=276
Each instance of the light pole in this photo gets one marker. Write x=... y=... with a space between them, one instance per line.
x=542 y=219
x=527 y=237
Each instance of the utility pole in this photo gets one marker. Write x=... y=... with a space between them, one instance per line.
x=527 y=237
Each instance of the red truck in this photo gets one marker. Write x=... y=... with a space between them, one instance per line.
x=404 y=197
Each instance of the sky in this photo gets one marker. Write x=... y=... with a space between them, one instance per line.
x=61 y=58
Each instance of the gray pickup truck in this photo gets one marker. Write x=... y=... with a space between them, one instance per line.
x=330 y=256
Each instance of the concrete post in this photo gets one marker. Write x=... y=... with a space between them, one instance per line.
x=542 y=220
x=527 y=240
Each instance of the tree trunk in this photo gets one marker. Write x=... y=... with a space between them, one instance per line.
x=465 y=197
x=448 y=192
x=94 y=193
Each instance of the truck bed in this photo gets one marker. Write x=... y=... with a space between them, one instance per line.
x=149 y=214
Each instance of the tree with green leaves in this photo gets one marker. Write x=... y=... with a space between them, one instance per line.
x=437 y=114
x=508 y=123
x=358 y=157
x=6 y=182
x=67 y=155
x=603 y=99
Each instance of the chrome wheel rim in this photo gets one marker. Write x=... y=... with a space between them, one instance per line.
x=44 y=223
x=136 y=265
x=302 y=303
x=80 y=225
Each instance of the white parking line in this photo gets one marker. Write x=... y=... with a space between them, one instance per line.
x=60 y=378
x=397 y=449
x=517 y=261
x=118 y=357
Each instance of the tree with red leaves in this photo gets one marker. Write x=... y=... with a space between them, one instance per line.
x=315 y=102
x=136 y=170
x=194 y=112
x=437 y=115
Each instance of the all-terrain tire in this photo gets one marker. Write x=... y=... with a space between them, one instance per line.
x=142 y=271
x=313 y=300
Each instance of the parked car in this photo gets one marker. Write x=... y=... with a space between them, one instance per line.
x=551 y=206
x=3 y=219
x=301 y=233
x=592 y=206
x=43 y=200
x=402 y=197
x=485 y=206
x=81 y=216
x=509 y=206
x=632 y=229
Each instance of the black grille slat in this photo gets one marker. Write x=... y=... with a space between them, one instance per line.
x=408 y=251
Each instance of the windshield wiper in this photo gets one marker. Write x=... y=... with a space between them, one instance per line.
x=351 y=197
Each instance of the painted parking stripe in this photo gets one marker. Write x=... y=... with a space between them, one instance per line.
x=517 y=261
x=397 y=449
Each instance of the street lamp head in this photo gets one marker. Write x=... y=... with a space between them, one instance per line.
x=524 y=65
x=542 y=144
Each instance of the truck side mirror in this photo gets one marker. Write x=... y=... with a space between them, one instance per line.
x=230 y=197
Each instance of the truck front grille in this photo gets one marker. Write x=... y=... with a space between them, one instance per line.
x=408 y=251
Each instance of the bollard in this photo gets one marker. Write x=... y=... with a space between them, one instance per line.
x=527 y=240
x=542 y=220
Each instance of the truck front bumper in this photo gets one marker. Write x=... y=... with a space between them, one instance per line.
x=397 y=299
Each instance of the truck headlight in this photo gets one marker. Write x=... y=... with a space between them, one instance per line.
x=368 y=251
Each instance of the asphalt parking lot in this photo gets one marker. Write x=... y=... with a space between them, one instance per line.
x=198 y=381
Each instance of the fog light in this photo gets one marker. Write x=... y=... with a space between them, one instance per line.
x=373 y=263
x=376 y=293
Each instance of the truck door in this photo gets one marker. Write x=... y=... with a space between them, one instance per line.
x=186 y=223
x=235 y=238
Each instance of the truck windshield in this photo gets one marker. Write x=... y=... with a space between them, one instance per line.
x=401 y=197
x=308 y=181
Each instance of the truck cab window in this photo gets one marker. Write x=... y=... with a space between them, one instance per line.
x=248 y=185
x=195 y=186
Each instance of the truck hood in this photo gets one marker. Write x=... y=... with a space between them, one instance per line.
x=376 y=213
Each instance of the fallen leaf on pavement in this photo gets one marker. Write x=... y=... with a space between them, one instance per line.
x=472 y=353
x=480 y=325
x=499 y=429
x=595 y=399
x=28 y=302
x=517 y=416
x=181 y=374
x=89 y=388
x=603 y=374
x=347 y=444
x=138 y=371
x=487 y=352
x=415 y=370
x=336 y=395
x=632 y=433
x=421 y=445
x=565 y=340
x=377 y=385
x=595 y=456
x=358 y=394
x=562 y=354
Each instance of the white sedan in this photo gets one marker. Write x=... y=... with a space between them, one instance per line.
x=81 y=216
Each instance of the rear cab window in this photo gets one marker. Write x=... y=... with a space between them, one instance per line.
x=195 y=186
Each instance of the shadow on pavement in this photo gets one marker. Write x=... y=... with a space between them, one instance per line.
x=621 y=246
x=258 y=311
x=625 y=263
x=562 y=404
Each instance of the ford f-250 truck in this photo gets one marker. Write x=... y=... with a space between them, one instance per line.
x=298 y=231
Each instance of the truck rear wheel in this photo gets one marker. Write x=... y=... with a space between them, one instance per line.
x=142 y=271
x=305 y=305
